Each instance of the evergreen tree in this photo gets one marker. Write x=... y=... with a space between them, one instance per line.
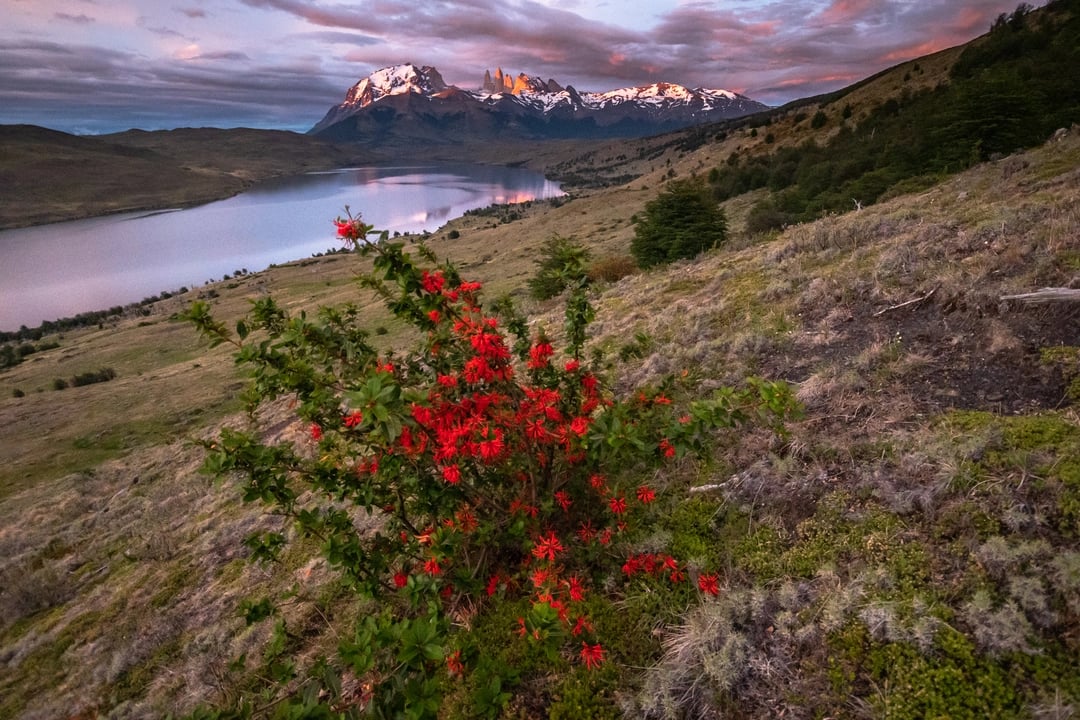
x=681 y=222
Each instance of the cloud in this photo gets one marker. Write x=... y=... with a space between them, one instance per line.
x=340 y=38
x=191 y=12
x=77 y=19
x=102 y=90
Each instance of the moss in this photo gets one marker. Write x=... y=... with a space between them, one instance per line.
x=1040 y=451
x=702 y=531
x=587 y=695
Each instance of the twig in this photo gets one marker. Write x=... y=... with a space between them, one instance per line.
x=1044 y=295
x=916 y=301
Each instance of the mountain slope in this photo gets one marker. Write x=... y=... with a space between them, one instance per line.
x=49 y=176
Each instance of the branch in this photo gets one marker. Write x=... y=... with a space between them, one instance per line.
x=916 y=301
x=1045 y=295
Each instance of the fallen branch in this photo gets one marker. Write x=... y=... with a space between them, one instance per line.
x=916 y=301
x=1045 y=295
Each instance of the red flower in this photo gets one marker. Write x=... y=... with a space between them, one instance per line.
x=447 y=380
x=431 y=567
x=493 y=584
x=400 y=579
x=667 y=448
x=592 y=655
x=467 y=521
x=579 y=425
x=618 y=505
x=434 y=316
x=563 y=500
x=548 y=547
x=645 y=494
x=432 y=282
x=577 y=592
x=353 y=419
x=454 y=666
x=452 y=474
x=661 y=400
x=598 y=483
x=492 y=445
x=316 y=432
x=540 y=354
x=582 y=625
x=586 y=532
x=572 y=365
x=708 y=584
x=540 y=576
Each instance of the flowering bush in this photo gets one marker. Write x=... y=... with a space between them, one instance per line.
x=483 y=464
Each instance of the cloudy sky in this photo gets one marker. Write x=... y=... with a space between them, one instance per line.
x=91 y=66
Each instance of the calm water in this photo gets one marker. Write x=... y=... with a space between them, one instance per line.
x=60 y=270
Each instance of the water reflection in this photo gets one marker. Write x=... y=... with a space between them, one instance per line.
x=63 y=269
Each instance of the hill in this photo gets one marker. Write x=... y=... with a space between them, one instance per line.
x=51 y=176
x=909 y=550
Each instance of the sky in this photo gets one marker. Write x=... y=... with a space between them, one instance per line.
x=97 y=66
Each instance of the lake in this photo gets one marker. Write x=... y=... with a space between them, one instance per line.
x=62 y=269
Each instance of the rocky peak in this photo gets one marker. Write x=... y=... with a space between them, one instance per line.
x=395 y=80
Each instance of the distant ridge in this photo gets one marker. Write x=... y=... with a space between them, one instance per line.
x=407 y=101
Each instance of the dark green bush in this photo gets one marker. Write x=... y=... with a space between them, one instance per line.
x=681 y=222
x=561 y=265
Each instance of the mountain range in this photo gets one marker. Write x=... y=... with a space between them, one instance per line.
x=411 y=102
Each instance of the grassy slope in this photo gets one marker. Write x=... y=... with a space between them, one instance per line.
x=936 y=462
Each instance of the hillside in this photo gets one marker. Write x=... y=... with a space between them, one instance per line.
x=909 y=550
x=51 y=176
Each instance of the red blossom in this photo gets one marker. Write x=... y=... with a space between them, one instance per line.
x=452 y=474
x=467 y=521
x=577 y=591
x=454 y=666
x=353 y=419
x=540 y=577
x=581 y=625
x=431 y=567
x=540 y=355
x=667 y=448
x=572 y=366
x=434 y=316
x=709 y=584
x=432 y=282
x=316 y=432
x=447 y=380
x=592 y=655
x=586 y=532
x=493 y=584
x=645 y=494
x=579 y=425
x=617 y=505
x=400 y=579
x=548 y=547
x=563 y=500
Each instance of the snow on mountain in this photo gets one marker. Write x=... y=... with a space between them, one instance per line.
x=638 y=110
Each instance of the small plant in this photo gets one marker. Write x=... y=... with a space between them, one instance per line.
x=561 y=265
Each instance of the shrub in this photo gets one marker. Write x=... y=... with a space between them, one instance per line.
x=561 y=265
x=89 y=378
x=59 y=384
x=474 y=471
x=681 y=222
x=454 y=234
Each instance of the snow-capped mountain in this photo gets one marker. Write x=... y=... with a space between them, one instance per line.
x=410 y=101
